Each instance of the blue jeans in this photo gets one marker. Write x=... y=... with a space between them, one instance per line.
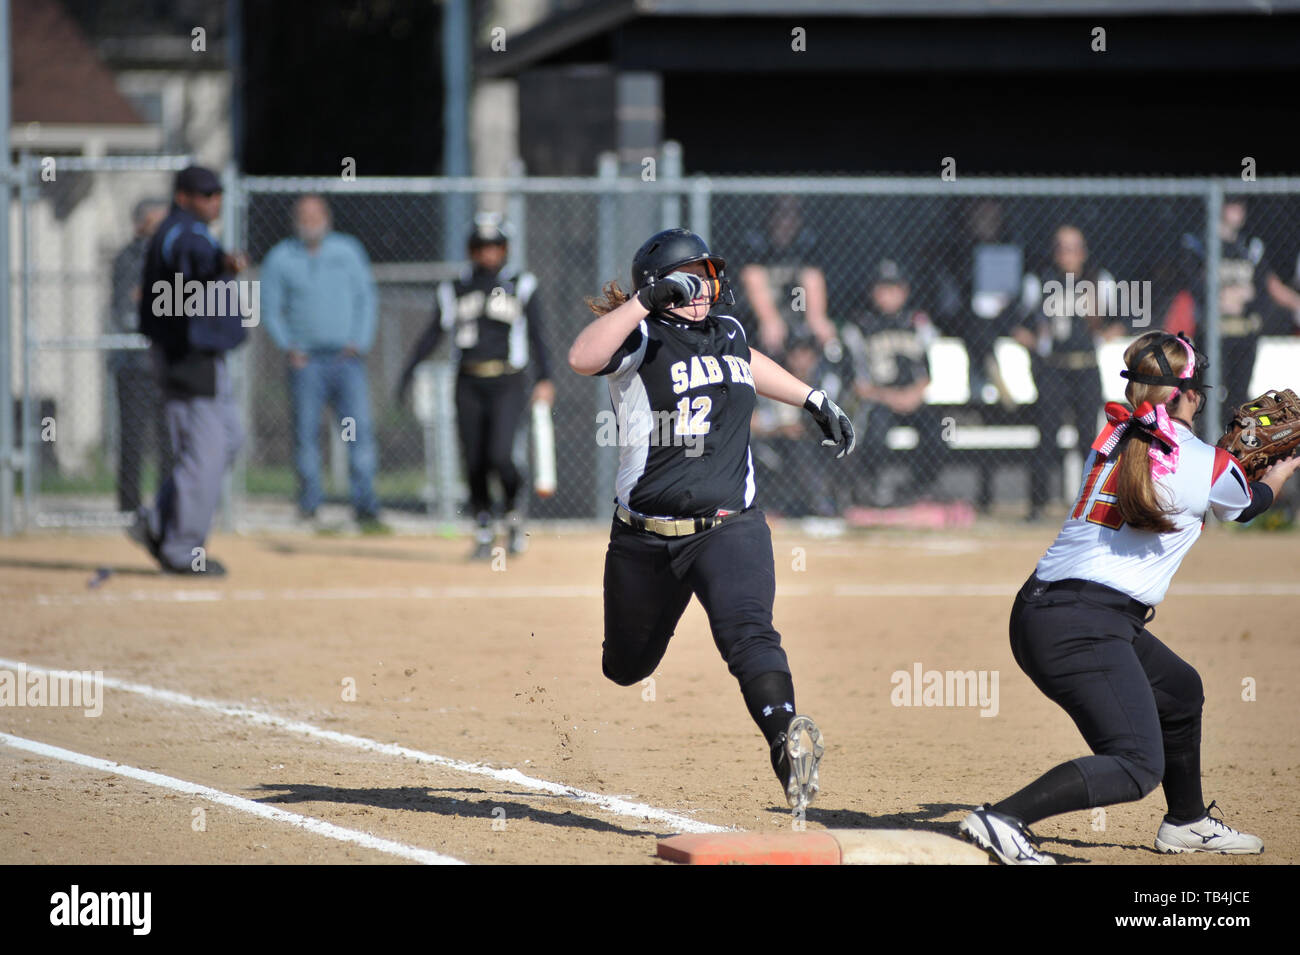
x=330 y=377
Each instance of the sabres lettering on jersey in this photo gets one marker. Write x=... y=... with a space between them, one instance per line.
x=703 y=370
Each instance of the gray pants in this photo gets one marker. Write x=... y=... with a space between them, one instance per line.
x=206 y=435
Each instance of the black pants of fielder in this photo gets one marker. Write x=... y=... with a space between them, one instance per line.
x=1136 y=702
x=487 y=417
x=649 y=581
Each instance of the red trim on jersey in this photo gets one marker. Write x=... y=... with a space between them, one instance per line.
x=1222 y=459
x=1107 y=513
x=1087 y=488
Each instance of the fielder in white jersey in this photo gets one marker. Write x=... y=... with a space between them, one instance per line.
x=1097 y=544
x=1079 y=624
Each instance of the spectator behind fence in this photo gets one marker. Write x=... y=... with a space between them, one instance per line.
x=888 y=368
x=494 y=317
x=1247 y=284
x=319 y=305
x=784 y=286
x=141 y=423
x=189 y=352
x=979 y=278
x=1061 y=333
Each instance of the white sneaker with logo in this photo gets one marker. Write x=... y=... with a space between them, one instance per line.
x=1207 y=834
x=1007 y=840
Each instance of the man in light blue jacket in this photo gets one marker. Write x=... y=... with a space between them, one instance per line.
x=318 y=304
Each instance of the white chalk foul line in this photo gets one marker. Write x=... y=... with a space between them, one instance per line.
x=198 y=596
x=317 y=826
x=561 y=592
x=1212 y=589
x=612 y=804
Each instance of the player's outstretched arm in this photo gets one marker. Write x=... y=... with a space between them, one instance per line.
x=1277 y=476
x=596 y=344
x=773 y=381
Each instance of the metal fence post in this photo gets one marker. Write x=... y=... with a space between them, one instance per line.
x=1213 y=344
x=701 y=206
x=670 y=214
x=6 y=339
x=446 y=456
x=517 y=217
x=30 y=457
x=234 y=359
x=607 y=245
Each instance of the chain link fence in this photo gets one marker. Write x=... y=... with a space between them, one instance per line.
x=971 y=328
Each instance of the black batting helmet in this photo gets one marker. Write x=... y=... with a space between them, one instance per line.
x=488 y=230
x=667 y=251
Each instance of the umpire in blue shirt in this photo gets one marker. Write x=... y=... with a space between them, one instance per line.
x=192 y=320
x=319 y=307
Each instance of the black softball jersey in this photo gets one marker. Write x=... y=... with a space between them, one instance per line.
x=681 y=396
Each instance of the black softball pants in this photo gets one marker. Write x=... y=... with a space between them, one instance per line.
x=1136 y=702
x=649 y=581
x=487 y=415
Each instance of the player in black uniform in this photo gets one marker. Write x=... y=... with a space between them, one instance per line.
x=1248 y=286
x=1061 y=336
x=492 y=312
x=889 y=370
x=683 y=381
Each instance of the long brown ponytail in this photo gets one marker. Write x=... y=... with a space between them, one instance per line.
x=614 y=297
x=1138 y=499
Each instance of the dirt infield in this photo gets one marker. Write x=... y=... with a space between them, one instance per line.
x=462 y=672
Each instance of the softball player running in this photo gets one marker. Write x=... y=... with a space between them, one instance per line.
x=682 y=380
x=492 y=311
x=1078 y=626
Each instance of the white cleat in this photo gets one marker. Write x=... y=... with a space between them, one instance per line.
x=1207 y=834
x=798 y=761
x=516 y=534
x=1007 y=840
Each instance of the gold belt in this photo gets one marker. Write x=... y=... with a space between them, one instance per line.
x=1239 y=326
x=670 y=527
x=1073 y=360
x=487 y=369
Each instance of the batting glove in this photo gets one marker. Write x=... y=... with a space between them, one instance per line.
x=674 y=289
x=835 y=424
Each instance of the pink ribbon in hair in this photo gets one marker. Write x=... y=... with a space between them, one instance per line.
x=1188 y=370
x=1154 y=421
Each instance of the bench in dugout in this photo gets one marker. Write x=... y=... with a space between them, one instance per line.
x=990 y=434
